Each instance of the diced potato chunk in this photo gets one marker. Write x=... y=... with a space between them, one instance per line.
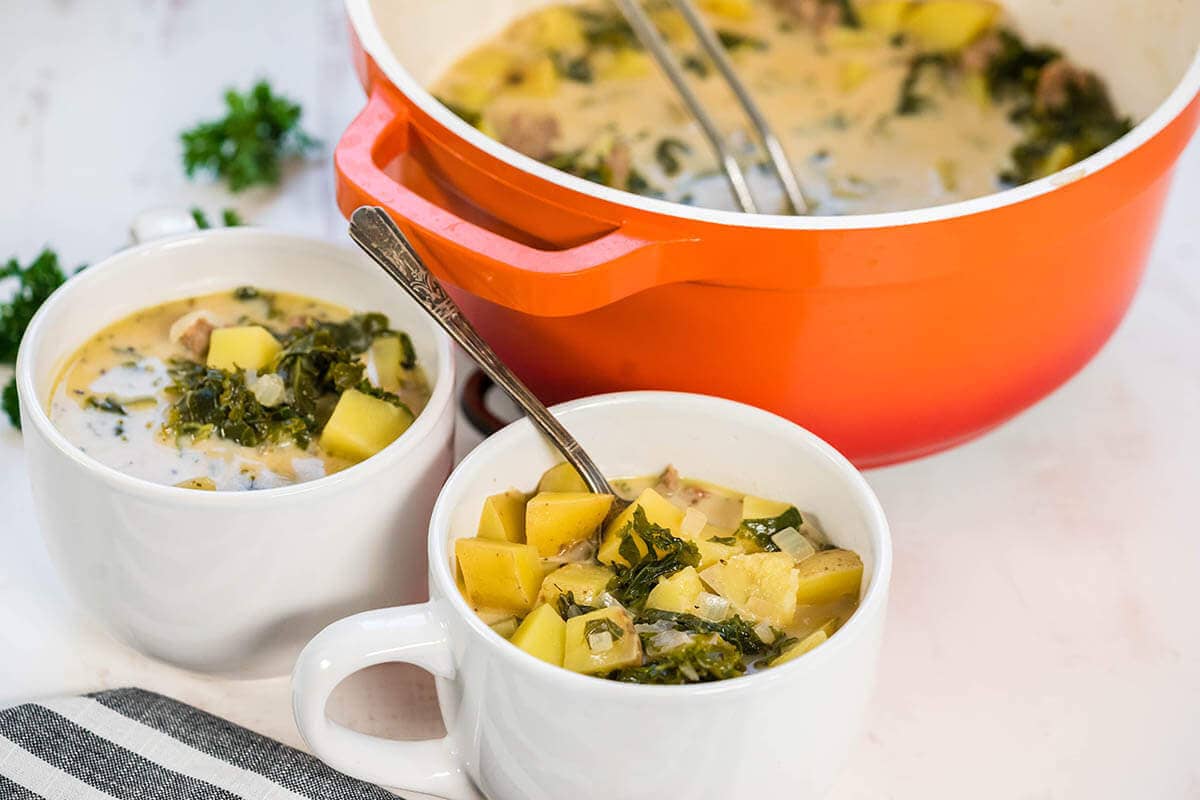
x=362 y=425
x=503 y=517
x=585 y=582
x=950 y=25
x=557 y=520
x=557 y=28
x=624 y=63
x=761 y=586
x=543 y=635
x=884 y=16
x=386 y=355
x=562 y=478
x=730 y=9
x=247 y=347
x=713 y=552
x=677 y=593
x=853 y=74
x=829 y=575
x=500 y=576
x=801 y=647
x=625 y=649
x=659 y=511
x=538 y=79
x=762 y=508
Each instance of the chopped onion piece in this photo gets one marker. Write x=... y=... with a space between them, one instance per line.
x=792 y=542
x=653 y=627
x=711 y=607
x=608 y=601
x=600 y=641
x=693 y=523
x=689 y=671
x=269 y=389
x=764 y=631
x=669 y=640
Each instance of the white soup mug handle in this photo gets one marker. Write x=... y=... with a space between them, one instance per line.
x=410 y=635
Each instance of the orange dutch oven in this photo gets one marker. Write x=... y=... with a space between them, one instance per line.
x=891 y=335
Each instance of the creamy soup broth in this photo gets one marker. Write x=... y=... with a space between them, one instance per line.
x=835 y=94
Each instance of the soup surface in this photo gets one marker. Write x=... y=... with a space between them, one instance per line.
x=238 y=390
x=882 y=105
x=691 y=583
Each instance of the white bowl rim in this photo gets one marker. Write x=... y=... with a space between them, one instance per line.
x=440 y=399
x=362 y=19
x=875 y=597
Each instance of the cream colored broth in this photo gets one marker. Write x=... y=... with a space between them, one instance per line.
x=127 y=362
x=831 y=93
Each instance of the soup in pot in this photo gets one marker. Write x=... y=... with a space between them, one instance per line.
x=691 y=583
x=882 y=105
x=239 y=390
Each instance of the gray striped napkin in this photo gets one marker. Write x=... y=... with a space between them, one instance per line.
x=128 y=744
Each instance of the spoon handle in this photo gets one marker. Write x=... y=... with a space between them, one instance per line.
x=375 y=232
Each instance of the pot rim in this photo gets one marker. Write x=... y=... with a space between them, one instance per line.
x=362 y=19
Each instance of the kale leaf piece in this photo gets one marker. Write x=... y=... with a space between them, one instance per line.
x=761 y=530
x=664 y=556
x=704 y=659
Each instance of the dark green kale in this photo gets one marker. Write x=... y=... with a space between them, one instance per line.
x=668 y=153
x=248 y=146
x=212 y=402
x=735 y=630
x=108 y=404
x=598 y=170
x=732 y=40
x=664 y=556
x=229 y=218
x=1014 y=71
x=850 y=17
x=911 y=101
x=567 y=606
x=607 y=29
x=573 y=68
x=761 y=530
x=696 y=65
x=472 y=118
x=704 y=659
x=10 y=404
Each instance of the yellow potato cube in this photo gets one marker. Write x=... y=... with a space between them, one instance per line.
x=539 y=79
x=503 y=517
x=671 y=24
x=585 y=582
x=499 y=576
x=884 y=16
x=659 y=511
x=555 y=521
x=362 y=425
x=730 y=9
x=801 y=647
x=827 y=576
x=677 y=593
x=761 y=586
x=762 y=508
x=715 y=552
x=562 y=478
x=386 y=355
x=624 y=63
x=601 y=641
x=505 y=627
x=950 y=25
x=248 y=347
x=543 y=635
x=557 y=28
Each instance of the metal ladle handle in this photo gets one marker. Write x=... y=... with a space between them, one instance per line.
x=375 y=232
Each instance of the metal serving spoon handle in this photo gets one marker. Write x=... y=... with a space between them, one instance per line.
x=375 y=232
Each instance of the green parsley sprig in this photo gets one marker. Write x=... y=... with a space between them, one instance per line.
x=249 y=145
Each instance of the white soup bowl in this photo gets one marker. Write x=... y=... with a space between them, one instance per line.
x=232 y=583
x=521 y=729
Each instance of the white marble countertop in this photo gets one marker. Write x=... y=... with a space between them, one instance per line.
x=1043 y=640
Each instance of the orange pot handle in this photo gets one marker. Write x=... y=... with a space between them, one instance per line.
x=559 y=282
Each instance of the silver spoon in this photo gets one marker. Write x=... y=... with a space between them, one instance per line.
x=375 y=232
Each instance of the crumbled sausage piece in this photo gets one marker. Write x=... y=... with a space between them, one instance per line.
x=978 y=56
x=620 y=165
x=1056 y=81
x=531 y=134
x=193 y=330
